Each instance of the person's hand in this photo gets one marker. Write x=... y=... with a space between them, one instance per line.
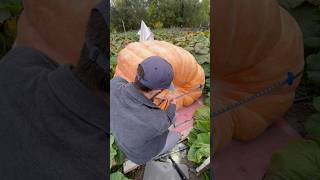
x=173 y=101
x=171 y=98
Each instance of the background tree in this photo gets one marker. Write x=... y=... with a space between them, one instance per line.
x=159 y=13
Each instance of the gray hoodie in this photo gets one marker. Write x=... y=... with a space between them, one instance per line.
x=139 y=126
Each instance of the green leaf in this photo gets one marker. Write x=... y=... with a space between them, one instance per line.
x=120 y=157
x=203 y=138
x=316 y=103
x=192 y=137
x=208 y=84
x=207 y=101
x=3 y=45
x=117 y=176
x=313 y=127
x=199 y=152
x=4 y=15
x=290 y=4
x=313 y=62
x=201 y=48
x=312 y=42
x=206 y=68
x=189 y=48
x=201 y=59
x=192 y=154
x=113 y=152
x=308 y=17
x=14 y=6
x=202 y=113
x=200 y=148
x=180 y=39
x=206 y=175
x=313 y=68
x=314 y=2
x=299 y=159
x=200 y=38
x=202 y=125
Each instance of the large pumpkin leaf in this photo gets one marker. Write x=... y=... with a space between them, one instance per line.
x=308 y=17
x=313 y=127
x=118 y=176
x=201 y=59
x=206 y=68
x=299 y=159
x=314 y=2
x=290 y=4
x=3 y=45
x=312 y=42
x=313 y=68
x=316 y=103
x=200 y=149
x=190 y=48
x=10 y=28
x=13 y=6
x=206 y=175
x=202 y=113
x=199 y=137
x=203 y=125
x=120 y=157
x=113 y=152
x=201 y=48
x=4 y=15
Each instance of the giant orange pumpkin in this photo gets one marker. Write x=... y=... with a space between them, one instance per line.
x=188 y=74
x=255 y=44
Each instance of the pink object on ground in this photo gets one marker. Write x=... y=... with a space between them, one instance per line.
x=249 y=160
x=185 y=114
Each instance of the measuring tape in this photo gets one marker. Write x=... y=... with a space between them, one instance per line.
x=288 y=81
x=164 y=103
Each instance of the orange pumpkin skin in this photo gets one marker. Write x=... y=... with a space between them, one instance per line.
x=188 y=74
x=256 y=43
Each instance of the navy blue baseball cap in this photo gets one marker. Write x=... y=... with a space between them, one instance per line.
x=158 y=73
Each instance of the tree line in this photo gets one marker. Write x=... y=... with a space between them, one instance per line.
x=127 y=14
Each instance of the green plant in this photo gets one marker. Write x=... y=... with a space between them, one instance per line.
x=158 y=25
x=313 y=68
x=118 y=176
x=199 y=138
x=307 y=14
x=170 y=13
x=116 y=160
x=299 y=159
x=313 y=71
x=9 y=12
